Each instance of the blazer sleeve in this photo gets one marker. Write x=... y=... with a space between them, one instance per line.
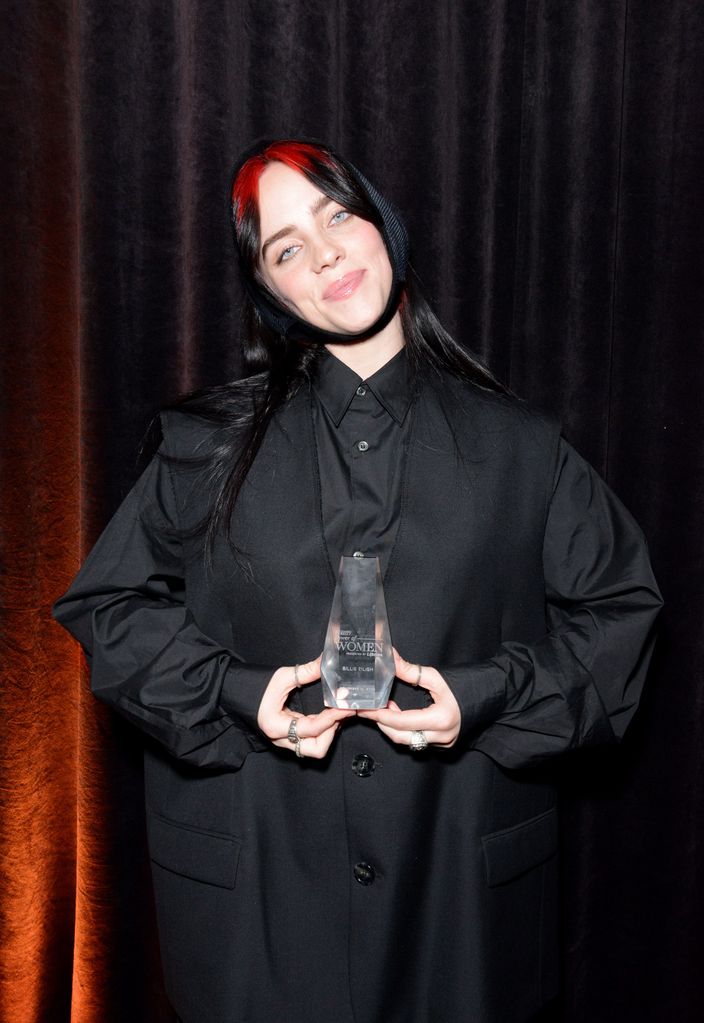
x=148 y=658
x=580 y=683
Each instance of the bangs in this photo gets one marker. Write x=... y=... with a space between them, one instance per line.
x=300 y=156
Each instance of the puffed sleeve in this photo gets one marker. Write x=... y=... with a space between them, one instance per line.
x=148 y=657
x=580 y=683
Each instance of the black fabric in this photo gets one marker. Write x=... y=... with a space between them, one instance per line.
x=395 y=238
x=548 y=159
x=518 y=573
x=361 y=489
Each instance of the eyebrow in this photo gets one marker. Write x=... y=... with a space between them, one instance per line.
x=290 y=228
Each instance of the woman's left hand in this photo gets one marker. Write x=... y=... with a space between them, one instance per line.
x=440 y=723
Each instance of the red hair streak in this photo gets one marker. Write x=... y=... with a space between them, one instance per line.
x=297 y=155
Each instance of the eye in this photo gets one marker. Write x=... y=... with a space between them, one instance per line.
x=340 y=213
x=284 y=254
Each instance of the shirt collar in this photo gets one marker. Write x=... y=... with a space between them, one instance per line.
x=336 y=384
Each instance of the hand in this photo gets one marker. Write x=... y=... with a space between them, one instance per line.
x=315 y=731
x=440 y=722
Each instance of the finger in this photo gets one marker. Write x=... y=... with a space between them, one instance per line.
x=276 y=693
x=315 y=746
x=391 y=705
x=403 y=737
x=318 y=746
x=303 y=674
x=309 y=726
x=283 y=682
x=434 y=717
x=407 y=671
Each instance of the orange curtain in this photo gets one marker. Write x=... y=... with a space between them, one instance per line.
x=548 y=159
x=46 y=713
x=64 y=853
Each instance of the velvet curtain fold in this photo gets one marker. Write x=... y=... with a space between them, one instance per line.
x=548 y=158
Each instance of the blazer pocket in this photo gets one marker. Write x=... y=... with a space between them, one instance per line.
x=512 y=851
x=201 y=855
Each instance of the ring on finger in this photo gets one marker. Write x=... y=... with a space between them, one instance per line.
x=295 y=675
x=293 y=731
x=420 y=672
x=418 y=742
x=298 y=749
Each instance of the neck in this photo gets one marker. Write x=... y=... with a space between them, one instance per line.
x=366 y=357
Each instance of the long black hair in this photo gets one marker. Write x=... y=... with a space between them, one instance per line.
x=275 y=367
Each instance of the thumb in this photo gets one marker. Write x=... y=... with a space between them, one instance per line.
x=405 y=670
x=308 y=672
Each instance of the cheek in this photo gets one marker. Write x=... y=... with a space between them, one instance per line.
x=369 y=237
x=287 y=287
x=294 y=287
x=375 y=249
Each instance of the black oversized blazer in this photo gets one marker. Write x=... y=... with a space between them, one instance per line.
x=515 y=571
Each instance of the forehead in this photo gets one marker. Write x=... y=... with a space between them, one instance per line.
x=285 y=197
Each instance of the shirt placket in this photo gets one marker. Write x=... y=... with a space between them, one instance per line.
x=361 y=443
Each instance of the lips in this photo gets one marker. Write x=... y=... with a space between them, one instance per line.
x=344 y=287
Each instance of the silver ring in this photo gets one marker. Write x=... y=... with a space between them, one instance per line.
x=295 y=675
x=293 y=730
x=420 y=672
x=418 y=742
x=298 y=749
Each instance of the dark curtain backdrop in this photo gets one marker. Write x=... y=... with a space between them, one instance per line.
x=549 y=157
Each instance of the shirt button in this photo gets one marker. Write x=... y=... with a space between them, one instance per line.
x=358 y=554
x=363 y=765
x=362 y=446
x=361 y=391
x=364 y=873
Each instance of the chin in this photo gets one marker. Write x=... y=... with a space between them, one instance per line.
x=354 y=324
x=348 y=328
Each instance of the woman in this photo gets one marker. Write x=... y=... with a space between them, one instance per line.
x=316 y=864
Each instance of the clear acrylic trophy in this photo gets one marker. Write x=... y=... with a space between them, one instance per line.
x=358 y=661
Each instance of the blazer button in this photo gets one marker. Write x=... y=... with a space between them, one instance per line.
x=363 y=765
x=364 y=873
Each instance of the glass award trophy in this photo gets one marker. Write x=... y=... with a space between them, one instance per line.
x=358 y=661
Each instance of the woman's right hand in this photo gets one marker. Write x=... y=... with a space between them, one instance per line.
x=315 y=731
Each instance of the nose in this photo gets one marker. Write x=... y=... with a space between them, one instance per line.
x=326 y=252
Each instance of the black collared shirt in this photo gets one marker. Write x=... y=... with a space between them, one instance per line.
x=361 y=429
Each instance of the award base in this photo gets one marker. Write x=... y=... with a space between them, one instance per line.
x=358 y=661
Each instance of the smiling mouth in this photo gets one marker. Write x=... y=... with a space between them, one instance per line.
x=344 y=287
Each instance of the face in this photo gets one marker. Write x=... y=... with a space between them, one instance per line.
x=326 y=264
